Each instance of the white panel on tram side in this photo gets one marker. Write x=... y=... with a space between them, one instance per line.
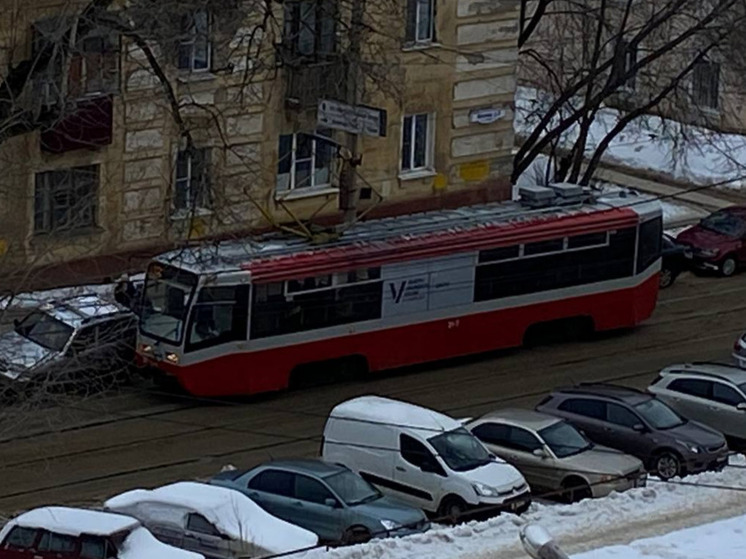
x=416 y=287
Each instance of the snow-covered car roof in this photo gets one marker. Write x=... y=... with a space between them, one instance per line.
x=75 y=310
x=139 y=543
x=232 y=513
x=376 y=409
x=73 y=522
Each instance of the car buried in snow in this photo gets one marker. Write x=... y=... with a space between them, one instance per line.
x=216 y=521
x=70 y=533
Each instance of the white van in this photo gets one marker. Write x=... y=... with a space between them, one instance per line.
x=422 y=457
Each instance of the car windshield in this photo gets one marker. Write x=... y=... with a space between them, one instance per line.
x=725 y=224
x=352 y=489
x=167 y=293
x=658 y=414
x=564 y=439
x=460 y=450
x=45 y=330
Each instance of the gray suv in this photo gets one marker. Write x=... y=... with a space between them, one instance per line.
x=641 y=425
x=711 y=393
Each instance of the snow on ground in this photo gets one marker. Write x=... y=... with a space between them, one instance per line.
x=598 y=522
x=685 y=153
x=718 y=540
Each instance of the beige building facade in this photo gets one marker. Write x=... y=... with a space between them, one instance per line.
x=132 y=142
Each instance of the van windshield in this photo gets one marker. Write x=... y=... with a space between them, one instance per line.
x=460 y=450
x=45 y=330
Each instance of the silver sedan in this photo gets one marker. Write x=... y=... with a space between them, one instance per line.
x=554 y=456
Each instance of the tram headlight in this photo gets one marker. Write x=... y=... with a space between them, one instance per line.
x=172 y=358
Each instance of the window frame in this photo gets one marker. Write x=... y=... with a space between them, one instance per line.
x=293 y=23
x=704 y=93
x=239 y=317
x=493 y=424
x=707 y=383
x=429 y=163
x=313 y=480
x=596 y=401
x=522 y=448
x=637 y=419
x=191 y=43
x=722 y=385
x=259 y=475
x=49 y=184
x=205 y=201
x=16 y=529
x=213 y=530
x=413 y=21
x=292 y=183
x=427 y=456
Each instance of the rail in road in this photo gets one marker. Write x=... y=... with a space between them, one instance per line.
x=84 y=451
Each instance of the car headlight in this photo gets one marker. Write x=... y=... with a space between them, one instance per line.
x=608 y=477
x=709 y=252
x=389 y=525
x=485 y=490
x=693 y=448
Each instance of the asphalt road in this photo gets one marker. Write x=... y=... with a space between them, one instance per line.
x=83 y=451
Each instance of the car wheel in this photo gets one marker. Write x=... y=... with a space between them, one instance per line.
x=667 y=278
x=667 y=465
x=728 y=266
x=452 y=509
x=576 y=490
x=356 y=534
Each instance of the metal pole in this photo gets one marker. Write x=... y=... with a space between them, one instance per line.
x=348 y=185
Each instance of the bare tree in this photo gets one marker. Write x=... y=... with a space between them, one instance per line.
x=642 y=56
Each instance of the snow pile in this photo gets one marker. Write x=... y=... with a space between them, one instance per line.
x=233 y=513
x=685 y=153
x=579 y=522
x=718 y=540
x=141 y=544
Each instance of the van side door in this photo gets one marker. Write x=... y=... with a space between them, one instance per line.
x=418 y=476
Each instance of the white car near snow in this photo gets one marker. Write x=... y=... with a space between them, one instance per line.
x=212 y=520
x=60 y=531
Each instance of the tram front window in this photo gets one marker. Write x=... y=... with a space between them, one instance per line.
x=168 y=291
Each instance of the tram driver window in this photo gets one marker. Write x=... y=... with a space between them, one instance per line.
x=220 y=315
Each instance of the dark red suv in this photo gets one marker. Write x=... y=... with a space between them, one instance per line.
x=718 y=242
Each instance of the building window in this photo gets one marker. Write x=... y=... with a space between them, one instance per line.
x=65 y=199
x=420 y=21
x=95 y=66
x=417 y=143
x=195 y=48
x=309 y=28
x=192 y=184
x=627 y=61
x=706 y=85
x=304 y=161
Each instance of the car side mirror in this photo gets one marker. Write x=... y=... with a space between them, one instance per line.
x=741 y=406
x=639 y=427
x=331 y=503
x=16 y=322
x=539 y=452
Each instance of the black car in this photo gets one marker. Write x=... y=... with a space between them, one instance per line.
x=674 y=262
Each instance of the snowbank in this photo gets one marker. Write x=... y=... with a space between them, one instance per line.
x=719 y=540
x=577 y=522
x=685 y=153
x=233 y=513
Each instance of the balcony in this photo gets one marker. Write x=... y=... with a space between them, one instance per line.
x=308 y=83
x=87 y=124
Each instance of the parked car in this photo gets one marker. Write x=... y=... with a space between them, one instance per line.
x=554 y=456
x=711 y=393
x=55 y=532
x=717 y=241
x=673 y=261
x=327 y=499
x=641 y=425
x=83 y=338
x=214 y=521
x=423 y=457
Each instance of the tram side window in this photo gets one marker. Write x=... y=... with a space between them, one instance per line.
x=275 y=313
x=557 y=270
x=650 y=240
x=220 y=315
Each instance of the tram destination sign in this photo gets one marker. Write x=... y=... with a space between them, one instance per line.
x=359 y=119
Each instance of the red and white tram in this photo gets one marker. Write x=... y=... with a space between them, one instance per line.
x=242 y=316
